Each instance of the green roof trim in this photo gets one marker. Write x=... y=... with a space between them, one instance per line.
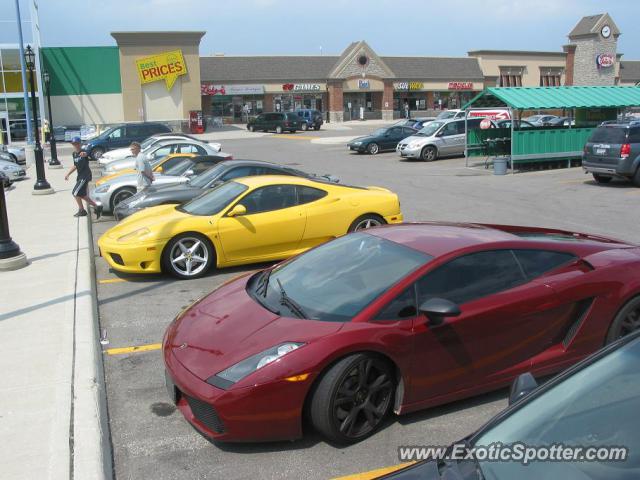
x=540 y=98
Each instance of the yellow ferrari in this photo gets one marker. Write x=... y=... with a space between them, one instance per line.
x=247 y=220
x=162 y=164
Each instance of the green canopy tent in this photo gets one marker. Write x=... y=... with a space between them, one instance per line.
x=592 y=105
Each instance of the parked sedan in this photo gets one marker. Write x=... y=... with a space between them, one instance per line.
x=12 y=170
x=540 y=120
x=383 y=139
x=114 y=191
x=211 y=178
x=591 y=405
x=397 y=318
x=243 y=221
x=162 y=149
x=518 y=124
x=15 y=154
x=125 y=152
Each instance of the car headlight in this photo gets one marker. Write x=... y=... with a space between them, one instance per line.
x=102 y=188
x=135 y=234
x=237 y=372
x=356 y=143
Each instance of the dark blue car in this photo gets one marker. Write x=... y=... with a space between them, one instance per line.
x=121 y=136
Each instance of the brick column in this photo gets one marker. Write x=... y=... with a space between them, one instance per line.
x=336 y=111
x=387 y=100
x=570 y=62
x=268 y=103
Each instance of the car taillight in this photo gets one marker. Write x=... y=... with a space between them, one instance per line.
x=625 y=150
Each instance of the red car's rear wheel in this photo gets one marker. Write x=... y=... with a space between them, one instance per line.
x=353 y=398
x=626 y=322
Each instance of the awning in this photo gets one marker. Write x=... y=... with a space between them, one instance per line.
x=539 y=98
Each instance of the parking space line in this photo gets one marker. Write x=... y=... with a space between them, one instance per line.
x=633 y=192
x=112 y=280
x=293 y=137
x=136 y=349
x=374 y=473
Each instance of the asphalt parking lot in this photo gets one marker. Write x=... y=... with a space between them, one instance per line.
x=151 y=439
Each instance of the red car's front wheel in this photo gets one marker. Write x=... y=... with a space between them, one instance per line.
x=353 y=398
x=626 y=322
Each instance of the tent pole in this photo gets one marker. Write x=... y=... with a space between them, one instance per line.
x=513 y=121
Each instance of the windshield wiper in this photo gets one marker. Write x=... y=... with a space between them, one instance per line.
x=289 y=302
x=264 y=283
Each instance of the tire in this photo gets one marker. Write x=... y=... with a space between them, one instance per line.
x=316 y=128
x=278 y=129
x=365 y=221
x=627 y=320
x=194 y=244
x=636 y=178
x=252 y=128
x=293 y=131
x=373 y=148
x=359 y=387
x=304 y=127
x=120 y=195
x=97 y=152
x=601 y=179
x=429 y=153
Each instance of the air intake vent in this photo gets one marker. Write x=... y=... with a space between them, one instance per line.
x=580 y=313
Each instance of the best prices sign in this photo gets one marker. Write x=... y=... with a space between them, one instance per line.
x=167 y=66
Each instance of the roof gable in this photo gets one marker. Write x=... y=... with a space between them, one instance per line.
x=592 y=24
x=348 y=66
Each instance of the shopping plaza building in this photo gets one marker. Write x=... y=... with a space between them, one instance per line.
x=162 y=76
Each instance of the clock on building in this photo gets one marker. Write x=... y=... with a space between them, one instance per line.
x=606 y=31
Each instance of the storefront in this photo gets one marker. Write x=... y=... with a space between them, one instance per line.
x=295 y=96
x=232 y=103
x=421 y=97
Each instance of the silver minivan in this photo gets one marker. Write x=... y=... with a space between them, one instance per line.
x=440 y=138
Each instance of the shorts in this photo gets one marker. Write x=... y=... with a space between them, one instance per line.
x=80 y=188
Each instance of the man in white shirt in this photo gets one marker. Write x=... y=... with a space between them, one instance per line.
x=143 y=167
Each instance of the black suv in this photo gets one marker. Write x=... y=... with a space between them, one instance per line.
x=310 y=118
x=275 y=121
x=613 y=151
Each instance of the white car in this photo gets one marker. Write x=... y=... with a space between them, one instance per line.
x=120 y=153
x=16 y=154
x=12 y=170
x=161 y=149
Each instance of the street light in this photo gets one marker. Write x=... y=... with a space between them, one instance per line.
x=53 y=162
x=41 y=186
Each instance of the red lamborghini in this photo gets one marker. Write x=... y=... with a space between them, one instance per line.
x=395 y=318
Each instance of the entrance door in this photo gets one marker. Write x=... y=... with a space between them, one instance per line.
x=5 y=136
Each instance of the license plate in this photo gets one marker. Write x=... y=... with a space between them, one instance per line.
x=171 y=388
x=601 y=151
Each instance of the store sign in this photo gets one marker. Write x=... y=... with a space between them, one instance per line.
x=363 y=84
x=605 y=60
x=460 y=85
x=210 y=89
x=410 y=86
x=301 y=87
x=167 y=66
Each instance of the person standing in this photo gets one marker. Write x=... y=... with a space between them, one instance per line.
x=406 y=109
x=81 y=166
x=143 y=167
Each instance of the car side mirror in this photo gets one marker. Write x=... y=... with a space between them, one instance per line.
x=237 y=211
x=437 y=309
x=521 y=387
x=188 y=173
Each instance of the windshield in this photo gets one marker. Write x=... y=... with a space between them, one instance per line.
x=533 y=118
x=148 y=142
x=430 y=128
x=214 y=200
x=337 y=291
x=379 y=132
x=179 y=168
x=595 y=407
x=206 y=177
x=446 y=114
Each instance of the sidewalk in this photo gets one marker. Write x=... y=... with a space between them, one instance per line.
x=52 y=401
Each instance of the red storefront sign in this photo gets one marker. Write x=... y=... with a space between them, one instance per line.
x=460 y=85
x=209 y=89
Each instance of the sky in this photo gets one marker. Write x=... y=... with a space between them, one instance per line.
x=271 y=27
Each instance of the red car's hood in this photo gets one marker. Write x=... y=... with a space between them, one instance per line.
x=228 y=326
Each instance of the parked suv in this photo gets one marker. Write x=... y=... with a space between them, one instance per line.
x=613 y=151
x=440 y=138
x=275 y=121
x=122 y=136
x=310 y=118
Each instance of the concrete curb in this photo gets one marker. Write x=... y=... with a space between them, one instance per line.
x=92 y=457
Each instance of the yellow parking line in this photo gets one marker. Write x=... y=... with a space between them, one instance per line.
x=374 y=473
x=139 y=348
x=112 y=280
x=633 y=192
x=293 y=136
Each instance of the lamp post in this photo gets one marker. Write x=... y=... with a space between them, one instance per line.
x=53 y=162
x=41 y=186
x=11 y=257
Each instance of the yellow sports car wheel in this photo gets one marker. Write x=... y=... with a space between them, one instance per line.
x=368 y=220
x=189 y=255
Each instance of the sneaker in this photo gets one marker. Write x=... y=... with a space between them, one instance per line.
x=98 y=211
x=81 y=213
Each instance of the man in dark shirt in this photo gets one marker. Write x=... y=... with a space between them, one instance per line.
x=81 y=166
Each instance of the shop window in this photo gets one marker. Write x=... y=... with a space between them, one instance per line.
x=550 y=77
x=511 y=76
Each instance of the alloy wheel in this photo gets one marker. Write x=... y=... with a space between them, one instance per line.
x=374 y=148
x=189 y=256
x=363 y=398
x=367 y=223
x=121 y=196
x=631 y=323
